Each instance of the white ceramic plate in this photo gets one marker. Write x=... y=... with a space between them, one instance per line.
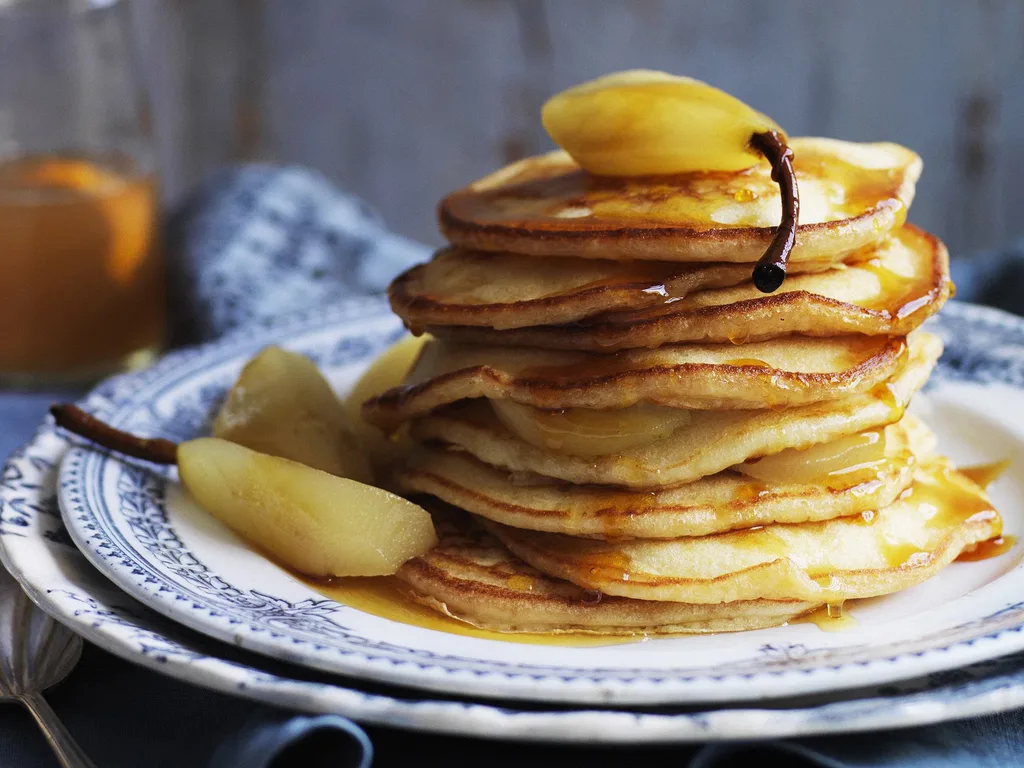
x=35 y=547
x=142 y=531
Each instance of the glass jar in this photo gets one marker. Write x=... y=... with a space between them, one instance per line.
x=81 y=269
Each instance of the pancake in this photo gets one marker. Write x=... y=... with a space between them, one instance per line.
x=901 y=545
x=904 y=282
x=851 y=195
x=788 y=371
x=470 y=576
x=722 y=502
x=709 y=441
x=507 y=290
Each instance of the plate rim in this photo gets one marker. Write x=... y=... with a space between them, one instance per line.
x=550 y=684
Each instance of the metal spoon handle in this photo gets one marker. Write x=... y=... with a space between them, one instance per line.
x=61 y=741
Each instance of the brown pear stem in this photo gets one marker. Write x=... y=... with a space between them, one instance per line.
x=74 y=419
x=771 y=267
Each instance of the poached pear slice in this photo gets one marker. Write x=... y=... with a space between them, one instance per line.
x=642 y=122
x=307 y=520
x=388 y=370
x=310 y=521
x=282 y=405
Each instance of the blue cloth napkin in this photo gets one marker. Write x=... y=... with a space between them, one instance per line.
x=259 y=241
x=327 y=741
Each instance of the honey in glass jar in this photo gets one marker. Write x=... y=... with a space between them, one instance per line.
x=81 y=270
x=80 y=265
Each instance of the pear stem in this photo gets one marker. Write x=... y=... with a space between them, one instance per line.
x=74 y=419
x=771 y=267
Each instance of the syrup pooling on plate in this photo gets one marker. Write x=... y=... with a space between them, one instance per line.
x=387 y=597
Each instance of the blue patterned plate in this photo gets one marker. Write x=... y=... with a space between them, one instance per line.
x=35 y=547
x=142 y=531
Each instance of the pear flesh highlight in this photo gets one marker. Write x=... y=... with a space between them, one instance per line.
x=307 y=520
x=286 y=469
x=643 y=122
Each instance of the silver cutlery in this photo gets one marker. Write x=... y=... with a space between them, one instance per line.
x=36 y=653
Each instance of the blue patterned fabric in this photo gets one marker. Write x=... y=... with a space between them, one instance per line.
x=256 y=242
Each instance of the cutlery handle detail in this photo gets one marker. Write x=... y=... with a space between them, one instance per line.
x=61 y=741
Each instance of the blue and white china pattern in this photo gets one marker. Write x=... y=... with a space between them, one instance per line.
x=118 y=514
x=35 y=548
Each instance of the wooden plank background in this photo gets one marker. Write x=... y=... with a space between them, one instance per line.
x=403 y=100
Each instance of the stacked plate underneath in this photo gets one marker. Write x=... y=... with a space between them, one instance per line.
x=647 y=443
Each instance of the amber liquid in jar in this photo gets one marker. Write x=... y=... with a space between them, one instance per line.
x=81 y=272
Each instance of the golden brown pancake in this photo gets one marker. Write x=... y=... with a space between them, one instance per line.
x=851 y=195
x=905 y=281
x=508 y=290
x=782 y=372
x=470 y=576
x=709 y=442
x=850 y=557
x=722 y=502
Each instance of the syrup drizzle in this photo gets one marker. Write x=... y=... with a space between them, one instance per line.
x=984 y=475
x=986 y=550
x=830 y=617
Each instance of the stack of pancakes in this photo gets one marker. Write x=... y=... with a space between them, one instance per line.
x=644 y=441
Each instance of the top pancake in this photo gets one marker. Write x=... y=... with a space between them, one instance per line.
x=851 y=195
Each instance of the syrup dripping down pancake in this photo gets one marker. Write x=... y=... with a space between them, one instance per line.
x=789 y=371
x=722 y=502
x=942 y=514
x=851 y=195
x=507 y=290
x=472 y=577
x=708 y=441
x=890 y=291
